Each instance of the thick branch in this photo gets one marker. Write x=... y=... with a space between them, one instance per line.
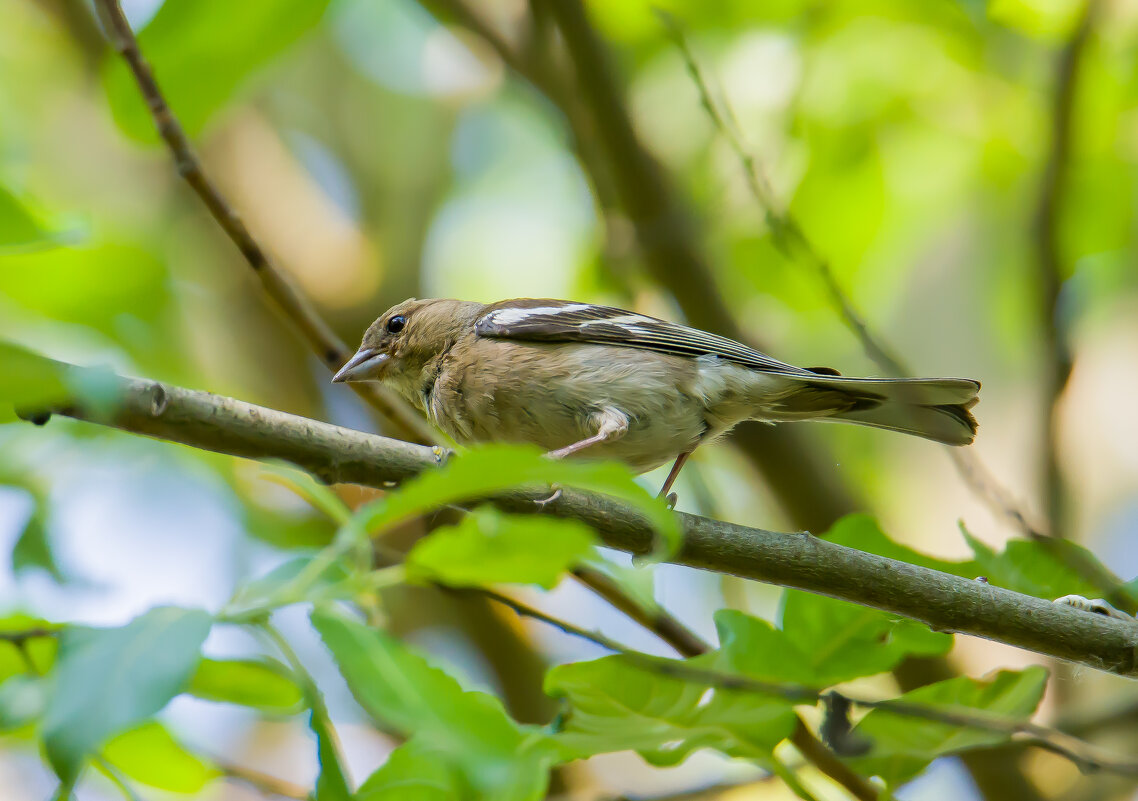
x=943 y=601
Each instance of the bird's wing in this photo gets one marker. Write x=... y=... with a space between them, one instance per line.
x=539 y=320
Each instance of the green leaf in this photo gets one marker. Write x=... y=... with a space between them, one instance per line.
x=1036 y=569
x=37 y=653
x=488 y=470
x=614 y=705
x=28 y=379
x=489 y=547
x=842 y=640
x=19 y=229
x=332 y=783
x=903 y=746
x=498 y=757
x=822 y=641
x=107 y=680
x=271 y=589
x=415 y=771
x=262 y=685
x=33 y=549
x=22 y=700
x=202 y=51
x=150 y=754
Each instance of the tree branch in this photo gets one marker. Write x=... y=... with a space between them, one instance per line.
x=945 y=602
x=328 y=347
x=1053 y=323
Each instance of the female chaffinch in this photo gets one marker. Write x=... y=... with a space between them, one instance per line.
x=572 y=377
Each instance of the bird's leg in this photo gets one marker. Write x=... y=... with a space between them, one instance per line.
x=673 y=474
x=611 y=424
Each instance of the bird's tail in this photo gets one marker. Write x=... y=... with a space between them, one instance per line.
x=933 y=408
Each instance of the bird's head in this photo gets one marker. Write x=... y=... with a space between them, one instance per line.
x=401 y=347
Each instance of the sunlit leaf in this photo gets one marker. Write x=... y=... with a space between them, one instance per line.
x=149 y=754
x=262 y=685
x=613 y=705
x=202 y=51
x=488 y=470
x=903 y=746
x=33 y=655
x=415 y=771
x=399 y=689
x=107 y=680
x=488 y=547
x=19 y=228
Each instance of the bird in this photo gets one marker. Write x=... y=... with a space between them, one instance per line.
x=580 y=379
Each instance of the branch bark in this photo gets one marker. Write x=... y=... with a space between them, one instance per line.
x=945 y=602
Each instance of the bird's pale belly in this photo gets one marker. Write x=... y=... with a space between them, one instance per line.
x=552 y=409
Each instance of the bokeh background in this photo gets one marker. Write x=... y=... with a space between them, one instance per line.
x=383 y=149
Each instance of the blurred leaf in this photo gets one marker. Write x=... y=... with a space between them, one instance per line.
x=616 y=706
x=332 y=783
x=150 y=754
x=1051 y=20
x=31 y=381
x=489 y=547
x=33 y=548
x=28 y=379
x=40 y=651
x=500 y=758
x=109 y=679
x=304 y=485
x=262 y=685
x=862 y=532
x=102 y=286
x=22 y=700
x=19 y=230
x=201 y=52
x=903 y=746
x=1035 y=569
x=487 y=470
x=415 y=771
x=267 y=589
x=288 y=530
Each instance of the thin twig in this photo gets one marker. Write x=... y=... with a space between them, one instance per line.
x=330 y=349
x=1086 y=756
x=262 y=782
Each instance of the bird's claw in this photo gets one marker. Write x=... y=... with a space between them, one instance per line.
x=543 y=502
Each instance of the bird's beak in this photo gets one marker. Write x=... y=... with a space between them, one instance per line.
x=364 y=366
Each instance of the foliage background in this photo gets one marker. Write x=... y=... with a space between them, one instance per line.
x=381 y=154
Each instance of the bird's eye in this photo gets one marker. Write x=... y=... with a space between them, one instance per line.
x=396 y=323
